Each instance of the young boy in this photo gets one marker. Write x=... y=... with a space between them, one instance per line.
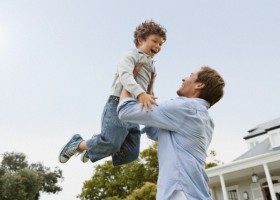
x=135 y=73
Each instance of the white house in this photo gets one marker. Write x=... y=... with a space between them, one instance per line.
x=254 y=175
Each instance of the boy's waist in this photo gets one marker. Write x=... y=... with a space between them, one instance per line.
x=115 y=98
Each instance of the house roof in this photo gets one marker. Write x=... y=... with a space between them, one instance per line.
x=257 y=157
x=264 y=146
x=261 y=148
x=263 y=128
x=242 y=169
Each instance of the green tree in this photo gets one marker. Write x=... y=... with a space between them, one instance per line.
x=49 y=178
x=22 y=184
x=150 y=160
x=110 y=181
x=20 y=181
x=213 y=161
x=147 y=191
x=133 y=181
x=113 y=183
x=13 y=161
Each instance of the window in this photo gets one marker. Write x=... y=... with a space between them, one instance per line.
x=233 y=192
x=274 y=137
x=232 y=195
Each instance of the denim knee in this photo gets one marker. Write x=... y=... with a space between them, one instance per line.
x=113 y=148
x=121 y=159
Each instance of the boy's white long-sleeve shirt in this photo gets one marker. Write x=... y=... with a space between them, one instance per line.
x=124 y=77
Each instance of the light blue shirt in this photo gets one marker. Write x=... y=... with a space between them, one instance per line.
x=184 y=132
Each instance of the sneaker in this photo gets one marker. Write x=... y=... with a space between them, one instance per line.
x=70 y=149
x=84 y=156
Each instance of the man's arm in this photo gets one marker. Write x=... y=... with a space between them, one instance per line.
x=151 y=132
x=162 y=116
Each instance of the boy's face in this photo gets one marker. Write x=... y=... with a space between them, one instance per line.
x=151 y=45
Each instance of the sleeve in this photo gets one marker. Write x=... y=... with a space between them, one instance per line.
x=164 y=116
x=125 y=71
x=151 y=132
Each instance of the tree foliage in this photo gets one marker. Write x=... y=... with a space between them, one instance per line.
x=147 y=191
x=115 y=183
x=134 y=181
x=213 y=161
x=21 y=181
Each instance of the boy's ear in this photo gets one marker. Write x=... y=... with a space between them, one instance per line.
x=140 y=40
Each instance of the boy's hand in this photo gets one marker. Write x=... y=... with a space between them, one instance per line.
x=146 y=101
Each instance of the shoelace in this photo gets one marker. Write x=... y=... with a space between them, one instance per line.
x=78 y=153
x=71 y=151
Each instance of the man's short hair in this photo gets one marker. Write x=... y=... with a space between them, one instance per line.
x=214 y=85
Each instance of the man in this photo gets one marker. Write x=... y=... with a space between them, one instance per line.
x=184 y=131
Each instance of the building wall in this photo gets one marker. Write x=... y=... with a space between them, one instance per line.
x=240 y=187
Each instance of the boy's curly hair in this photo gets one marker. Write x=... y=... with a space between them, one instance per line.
x=147 y=28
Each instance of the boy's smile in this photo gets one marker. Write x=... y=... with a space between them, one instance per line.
x=151 y=45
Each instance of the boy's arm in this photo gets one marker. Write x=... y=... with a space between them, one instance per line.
x=126 y=69
x=137 y=68
x=148 y=98
x=127 y=72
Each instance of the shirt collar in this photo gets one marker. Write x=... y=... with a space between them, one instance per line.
x=203 y=102
x=142 y=52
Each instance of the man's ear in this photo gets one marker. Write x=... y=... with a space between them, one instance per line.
x=200 y=85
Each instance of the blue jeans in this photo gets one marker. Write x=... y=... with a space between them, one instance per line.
x=117 y=139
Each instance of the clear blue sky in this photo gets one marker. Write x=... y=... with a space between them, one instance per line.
x=57 y=60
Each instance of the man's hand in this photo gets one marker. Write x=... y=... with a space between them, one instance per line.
x=146 y=101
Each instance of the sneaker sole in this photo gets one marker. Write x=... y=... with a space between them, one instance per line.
x=63 y=148
x=83 y=159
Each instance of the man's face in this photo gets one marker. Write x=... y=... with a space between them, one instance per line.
x=151 y=45
x=189 y=86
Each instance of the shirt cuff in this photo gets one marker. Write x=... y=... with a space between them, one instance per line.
x=124 y=101
x=137 y=92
